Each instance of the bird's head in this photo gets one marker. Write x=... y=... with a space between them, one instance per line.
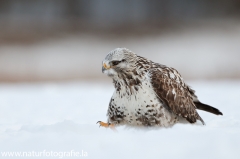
x=118 y=61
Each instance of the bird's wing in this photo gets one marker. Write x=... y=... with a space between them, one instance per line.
x=173 y=92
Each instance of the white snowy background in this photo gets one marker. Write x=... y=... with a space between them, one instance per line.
x=63 y=116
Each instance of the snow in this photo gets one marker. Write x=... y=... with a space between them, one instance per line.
x=63 y=116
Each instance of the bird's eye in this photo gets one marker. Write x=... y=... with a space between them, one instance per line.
x=115 y=62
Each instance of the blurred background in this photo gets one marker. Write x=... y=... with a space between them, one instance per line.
x=52 y=90
x=47 y=40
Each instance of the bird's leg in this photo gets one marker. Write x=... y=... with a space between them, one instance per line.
x=106 y=125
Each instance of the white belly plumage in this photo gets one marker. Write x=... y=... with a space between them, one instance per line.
x=140 y=107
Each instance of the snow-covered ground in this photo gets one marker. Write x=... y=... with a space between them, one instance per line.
x=61 y=117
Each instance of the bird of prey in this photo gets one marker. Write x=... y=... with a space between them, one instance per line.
x=148 y=93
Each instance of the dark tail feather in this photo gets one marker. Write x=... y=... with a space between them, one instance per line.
x=207 y=108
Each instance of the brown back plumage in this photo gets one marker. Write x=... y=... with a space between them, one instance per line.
x=173 y=92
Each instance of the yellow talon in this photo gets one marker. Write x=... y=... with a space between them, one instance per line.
x=106 y=125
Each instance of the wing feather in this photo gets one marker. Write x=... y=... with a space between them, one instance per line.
x=173 y=92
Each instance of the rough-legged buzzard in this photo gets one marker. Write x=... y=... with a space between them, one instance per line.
x=147 y=93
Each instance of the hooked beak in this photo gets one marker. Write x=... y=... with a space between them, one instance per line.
x=105 y=67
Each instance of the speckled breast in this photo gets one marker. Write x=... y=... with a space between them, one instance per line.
x=139 y=105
